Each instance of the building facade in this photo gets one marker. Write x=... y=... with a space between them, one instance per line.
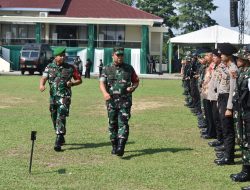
x=89 y=28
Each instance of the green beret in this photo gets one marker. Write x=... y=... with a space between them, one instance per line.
x=118 y=50
x=59 y=50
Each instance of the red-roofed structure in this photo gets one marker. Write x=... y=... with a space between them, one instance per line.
x=52 y=5
x=81 y=23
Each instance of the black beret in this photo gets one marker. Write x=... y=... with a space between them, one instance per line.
x=227 y=49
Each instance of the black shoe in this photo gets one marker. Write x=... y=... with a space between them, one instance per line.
x=215 y=143
x=224 y=161
x=245 y=188
x=203 y=133
x=219 y=154
x=206 y=137
x=240 y=177
x=114 y=146
x=58 y=143
x=219 y=148
x=202 y=126
x=120 y=147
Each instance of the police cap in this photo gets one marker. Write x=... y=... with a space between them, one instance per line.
x=216 y=52
x=227 y=49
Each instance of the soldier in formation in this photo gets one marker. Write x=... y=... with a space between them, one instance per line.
x=224 y=83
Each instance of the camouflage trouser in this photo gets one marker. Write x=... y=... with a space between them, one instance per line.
x=119 y=115
x=59 y=109
x=246 y=140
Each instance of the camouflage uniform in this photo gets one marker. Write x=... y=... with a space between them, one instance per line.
x=242 y=113
x=241 y=100
x=117 y=79
x=60 y=93
x=243 y=133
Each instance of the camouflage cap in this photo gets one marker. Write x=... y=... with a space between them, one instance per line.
x=242 y=54
x=59 y=50
x=118 y=50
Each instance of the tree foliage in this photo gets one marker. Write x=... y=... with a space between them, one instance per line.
x=194 y=15
x=185 y=15
x=164 y=9
x=128 y=2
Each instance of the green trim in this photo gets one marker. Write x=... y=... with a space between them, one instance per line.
x=91 y=43
x=170 y=56
x=108 y=60
x=38 y=32
x=127 y=56
x=14 y=56
x=144 y=49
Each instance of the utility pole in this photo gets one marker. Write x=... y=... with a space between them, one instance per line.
x=241 y=22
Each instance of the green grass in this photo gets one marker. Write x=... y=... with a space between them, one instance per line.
x=164 y=149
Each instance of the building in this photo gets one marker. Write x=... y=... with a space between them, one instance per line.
x=89 y=28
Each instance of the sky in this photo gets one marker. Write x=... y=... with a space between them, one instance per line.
x=222 y=13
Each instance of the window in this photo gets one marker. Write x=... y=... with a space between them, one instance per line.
x=34 y=54
x=112 y=34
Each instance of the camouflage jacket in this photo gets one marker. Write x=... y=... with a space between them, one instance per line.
x=58 y=76
x=242 y=89
x=118 y=78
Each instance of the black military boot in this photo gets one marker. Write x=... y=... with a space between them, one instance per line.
x=219 y=155
x=58 y=143
x=120 y=147
x=243 y=176
x=220 y=148
x=215 y=143
x=224 y=161
x=114 y=146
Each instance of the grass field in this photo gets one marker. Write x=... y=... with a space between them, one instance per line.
x=164 y=149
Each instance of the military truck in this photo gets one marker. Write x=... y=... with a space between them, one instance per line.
x=34 y=57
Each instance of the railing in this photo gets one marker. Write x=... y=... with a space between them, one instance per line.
x=73 y=42
x=17 y=41
x=67 y=42
x=113 y=43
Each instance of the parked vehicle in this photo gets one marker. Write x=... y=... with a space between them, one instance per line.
x=76 y=61
x=34 y=57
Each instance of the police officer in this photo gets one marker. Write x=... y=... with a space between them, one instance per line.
x=59 y=75
x=242 y=97
x=213 y=96
x=117 y=83
x=226 y=87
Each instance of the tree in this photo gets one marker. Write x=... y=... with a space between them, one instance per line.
x=128 y=2
x=194 y=15
x=164 y=9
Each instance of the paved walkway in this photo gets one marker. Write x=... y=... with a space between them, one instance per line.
x=174 y=76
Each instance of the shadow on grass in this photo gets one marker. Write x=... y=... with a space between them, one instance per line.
x=76 y=146
x=154 y=151
x=61 y=171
